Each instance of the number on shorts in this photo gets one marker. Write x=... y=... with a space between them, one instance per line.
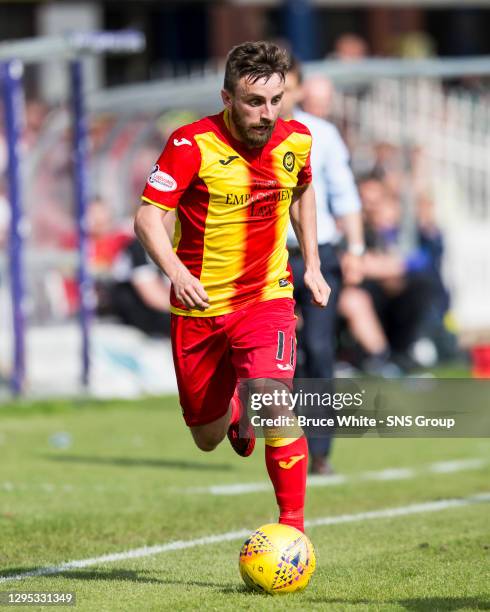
x=281 y=341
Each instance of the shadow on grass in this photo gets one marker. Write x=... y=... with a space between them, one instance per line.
x=137 y=576
x=134 y=462
x=124 y=575
x=417 y=604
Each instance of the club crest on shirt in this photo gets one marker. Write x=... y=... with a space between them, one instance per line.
x=161 y=180
x=288 y=161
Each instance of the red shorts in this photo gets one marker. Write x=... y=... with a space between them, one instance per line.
x=212 y=353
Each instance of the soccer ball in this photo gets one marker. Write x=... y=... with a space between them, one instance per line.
x=277 y=559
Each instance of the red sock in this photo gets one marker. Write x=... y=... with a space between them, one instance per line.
x=235 y=408
x=287 y=466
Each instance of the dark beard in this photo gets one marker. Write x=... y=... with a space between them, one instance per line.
x=247 y=135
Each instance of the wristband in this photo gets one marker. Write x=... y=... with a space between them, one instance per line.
x=357 y=249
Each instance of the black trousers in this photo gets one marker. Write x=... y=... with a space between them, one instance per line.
x=316 y=339
x=129 y=307
x=402 y=315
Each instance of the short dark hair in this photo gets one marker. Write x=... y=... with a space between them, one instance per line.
x=255 y=60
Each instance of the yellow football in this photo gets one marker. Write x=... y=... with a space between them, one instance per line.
x=277 y=559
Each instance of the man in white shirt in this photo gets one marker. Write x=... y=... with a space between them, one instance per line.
x=337 y=204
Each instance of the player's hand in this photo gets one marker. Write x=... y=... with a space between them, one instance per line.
x=320 y=291
x=189 y=290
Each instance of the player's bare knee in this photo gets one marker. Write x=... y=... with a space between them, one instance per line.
x=207 y=441
x=206 y=445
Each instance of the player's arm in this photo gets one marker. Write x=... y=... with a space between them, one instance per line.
x=303 y=219
x=150 y=228
x=172 y=175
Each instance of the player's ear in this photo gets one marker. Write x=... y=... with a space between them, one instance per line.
x=226 y=97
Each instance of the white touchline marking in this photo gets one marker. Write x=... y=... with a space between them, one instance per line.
x=389 y=474
x=326 y=481
x=440 y=467
x=236 y=489
x=48 y=487
x=446 y=467
x=148 y=551
x=435 y=506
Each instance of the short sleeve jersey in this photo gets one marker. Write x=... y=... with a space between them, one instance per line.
x=232 y=208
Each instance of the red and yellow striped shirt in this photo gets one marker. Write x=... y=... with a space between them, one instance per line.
x=232 y=206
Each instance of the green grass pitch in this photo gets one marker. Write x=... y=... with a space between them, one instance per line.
x=123 y=477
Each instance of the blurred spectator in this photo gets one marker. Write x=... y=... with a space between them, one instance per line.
x=317 y=96
x=350 y=47
x=356 y=303
x=389 y=166
x=105 y=241
x=106 y=238
x=141 y=294
x=402 y=299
